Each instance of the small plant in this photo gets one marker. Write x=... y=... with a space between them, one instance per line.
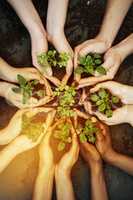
x=105 y=102
x=88 y=132
x=90 y=64
x=63 y=135
x=66 y=101
x=28 y=89
x=53 y=58
x=31 y=128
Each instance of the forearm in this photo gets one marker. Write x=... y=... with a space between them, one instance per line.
x=28 y=15
x=6 y=71
x=56 y=22
x=125 y=47
x=64 y=188
x=112 y=20
x=9 y=153
x=44 y=184
x=121 y=161
x=98 y=186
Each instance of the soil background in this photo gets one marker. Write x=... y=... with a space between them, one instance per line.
x=83 y=22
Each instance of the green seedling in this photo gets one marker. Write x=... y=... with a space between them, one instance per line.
x=105 y=102
x=90 y=64
x=63 y=135
x=66 y=100
x=26 y=88
x=53 y=58
x=31 y=129
x=88 y=132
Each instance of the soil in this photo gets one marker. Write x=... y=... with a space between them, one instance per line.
x=83 y=22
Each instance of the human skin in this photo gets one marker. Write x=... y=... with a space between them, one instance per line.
x=120 y=115
x=44 y=181
x=103 y=41
x=63 y=170
x=94 y=162
x=31 y=20
x=104 y=146
x=112 y=60
x=22 y=143
x=55 y=31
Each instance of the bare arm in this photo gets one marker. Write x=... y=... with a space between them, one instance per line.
x=28 y=14
x=98 y=186
x=114 y=16
x=44 y=184
x=121 y=161
x=64 y=186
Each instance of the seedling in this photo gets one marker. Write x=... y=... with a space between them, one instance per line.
x=29 y=89
x=90 y=64
x=31 y=128
x=105 y=102
x=66 y=101
x=53 y=58
x=63 y=135
x=88 y=132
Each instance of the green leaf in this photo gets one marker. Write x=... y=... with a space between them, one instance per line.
x=99 y=102
x=82 y=137
x=102 y=107
x=16 y=90
x=79 y=70
x=94 y=97
x=96 y=55
x=109 y=113
x=61 y=146
x=98 y=61
x=115 y=99
x=21 y=80
x=102 y=93
x=101 y=70
x=89 y=69
x=40 y=93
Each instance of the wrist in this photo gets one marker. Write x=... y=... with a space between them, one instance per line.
x=110 y=156
x=101 y=37
x=96 y=168
x=4 y=87
x=61 y=173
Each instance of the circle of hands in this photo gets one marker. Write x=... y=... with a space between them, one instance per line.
x=18 y=143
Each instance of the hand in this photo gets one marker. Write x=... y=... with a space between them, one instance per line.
x=16 y=98
x=96 y=45
x=90 y=155
x=103 y=142
x=69 y=159
x=45 y=151
x=61 y=44
x=29 y=73
x=124 y=92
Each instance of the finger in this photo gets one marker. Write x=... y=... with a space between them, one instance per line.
x=91 y=81
x=97 y=87
x=88 y=107
x=74 y=151
x=99 y=136
x=104 y=128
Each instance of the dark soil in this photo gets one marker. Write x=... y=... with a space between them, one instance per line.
x=83 y=22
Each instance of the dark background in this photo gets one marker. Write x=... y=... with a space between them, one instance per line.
x=83 y=22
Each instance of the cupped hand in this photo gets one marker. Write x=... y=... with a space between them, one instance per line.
x=119 y=116
x=61 y=44
x=69 y=159
x=103 y=142
x=112 y=61
x=96 y=45
x=90 y=154
x=124 y=92
x=29 y=73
